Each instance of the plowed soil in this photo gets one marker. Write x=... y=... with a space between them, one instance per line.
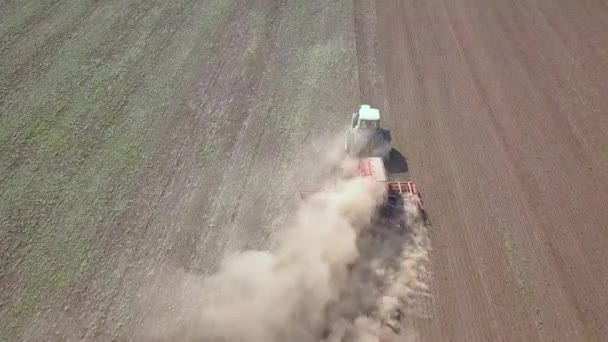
x=141 y=141
x=500 y=110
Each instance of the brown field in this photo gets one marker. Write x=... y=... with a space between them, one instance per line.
x=142 y=141
x=501 y=111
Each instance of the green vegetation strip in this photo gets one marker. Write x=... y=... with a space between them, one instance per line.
x=76 y=137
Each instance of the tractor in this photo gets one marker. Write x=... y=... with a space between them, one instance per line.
x=365 y=137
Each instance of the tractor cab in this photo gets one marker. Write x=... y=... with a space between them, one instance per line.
x=366 y=137
x=367 y=119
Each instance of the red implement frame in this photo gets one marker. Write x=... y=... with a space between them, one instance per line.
x=374 y=167
x=402 y=188
x=365 y=168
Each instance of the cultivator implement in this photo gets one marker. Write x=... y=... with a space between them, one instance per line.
x=396 y=191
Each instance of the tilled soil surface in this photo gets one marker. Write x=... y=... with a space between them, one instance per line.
x=500 y=110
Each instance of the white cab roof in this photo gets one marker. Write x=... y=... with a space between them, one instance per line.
x=368 y=113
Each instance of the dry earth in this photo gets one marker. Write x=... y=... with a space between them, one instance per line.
x=141 y=141
x=500 y=108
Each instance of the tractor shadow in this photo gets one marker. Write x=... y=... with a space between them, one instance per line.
x=396 y=162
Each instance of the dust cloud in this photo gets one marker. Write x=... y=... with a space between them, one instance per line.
x=339 y=272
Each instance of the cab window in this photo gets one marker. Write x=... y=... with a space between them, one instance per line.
x=369 y=124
